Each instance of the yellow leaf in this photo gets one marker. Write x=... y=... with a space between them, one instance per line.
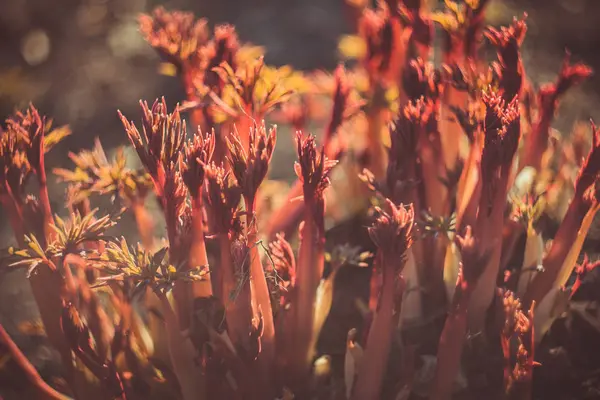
x=247 y=53
x=360 y=4
x=534 y=251
x=323 y=303
x=451 y=268
x=569 y=264
x=167 y=69
x=352 y=47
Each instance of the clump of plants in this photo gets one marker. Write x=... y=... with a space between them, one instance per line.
x=466 y=218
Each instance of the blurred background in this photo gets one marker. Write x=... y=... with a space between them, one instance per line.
x=81 y=60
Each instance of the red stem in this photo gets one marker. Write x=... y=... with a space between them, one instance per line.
x=144 y=223
x=451 y=345
x=46 y=209
x=489 y=226
x=42 y=389
x=374 y=363
x=238 y=310
x=189 y=377
x=309 y=273
x=261 y=298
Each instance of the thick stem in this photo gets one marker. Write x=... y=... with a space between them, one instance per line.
x=310 y=270
x=47 y=286
x=236 y=293
x=181 y=290
x=451 y=344
x=261 y=296
x=430 y=155
x=435 y=196
x=145 y=225
x=182 y=354
x=226 y=272
x=489 y=225
x=42 y=390
x=374 y=363
x=262 y=301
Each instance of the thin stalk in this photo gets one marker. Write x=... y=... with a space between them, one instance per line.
x=261 y=294
x=49 y=232
x=43 y=391
x=198 y=256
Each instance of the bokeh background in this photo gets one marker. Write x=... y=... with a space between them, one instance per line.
x=81 y=60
